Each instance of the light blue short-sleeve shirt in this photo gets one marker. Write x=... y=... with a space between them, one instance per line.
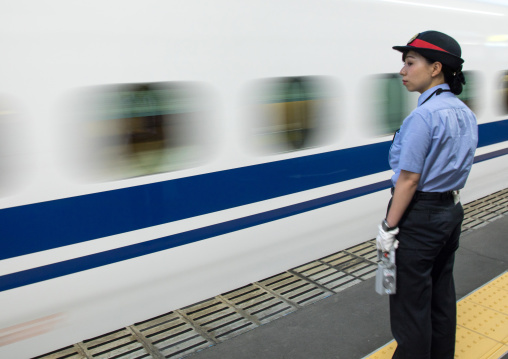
x=437 y=140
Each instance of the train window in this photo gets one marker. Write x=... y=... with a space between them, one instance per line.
x=140 y=129
x=470 y=90
x=291 y=113
x=390 y=100
x=15 y=147
x=503 y=90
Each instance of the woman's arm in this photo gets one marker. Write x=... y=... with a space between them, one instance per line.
x=405 y=189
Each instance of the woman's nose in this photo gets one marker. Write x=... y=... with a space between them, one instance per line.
x=402 y=70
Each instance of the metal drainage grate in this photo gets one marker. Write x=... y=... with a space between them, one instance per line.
x=170 y=336
x=294 y=289
x=367 y=267
x=327 y=276
x=119 y=344
x=341 y=270
x=218 y=320
x=485 y=210
x=366 y=250
x=70 y=352
x=259 y=304
x=197 y=327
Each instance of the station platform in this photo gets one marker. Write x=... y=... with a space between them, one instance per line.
x=327 y=308
x=354 y=323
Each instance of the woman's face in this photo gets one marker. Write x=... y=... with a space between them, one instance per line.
x=417 y=73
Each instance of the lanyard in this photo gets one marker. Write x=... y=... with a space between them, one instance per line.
x=437 y=93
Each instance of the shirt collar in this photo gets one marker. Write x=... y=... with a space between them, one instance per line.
x=427 y=93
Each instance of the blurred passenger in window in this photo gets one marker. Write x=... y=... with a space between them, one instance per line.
x=15 y=147
x=469 y=94
x=292 y=113
x=390 y=104
x=140 y=129
x=504 y=94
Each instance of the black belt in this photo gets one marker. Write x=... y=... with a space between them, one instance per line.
x=436 y=196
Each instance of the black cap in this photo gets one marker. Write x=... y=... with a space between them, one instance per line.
x=436 y=46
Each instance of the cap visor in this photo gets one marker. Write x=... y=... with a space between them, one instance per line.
x=403 y=48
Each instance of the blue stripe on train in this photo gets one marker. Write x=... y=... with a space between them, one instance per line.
x=493 y=132
x=35 y=275
x=55 y=270
x=41 y=226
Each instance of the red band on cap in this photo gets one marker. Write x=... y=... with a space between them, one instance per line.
x=425 y=45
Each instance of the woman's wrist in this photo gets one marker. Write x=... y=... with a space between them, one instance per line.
x=386 y=226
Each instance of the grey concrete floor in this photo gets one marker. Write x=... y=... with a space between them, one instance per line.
x=355 y=322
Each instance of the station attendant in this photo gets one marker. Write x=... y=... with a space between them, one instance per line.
x=431 y=156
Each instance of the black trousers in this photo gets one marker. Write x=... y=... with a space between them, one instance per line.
x=423 y=314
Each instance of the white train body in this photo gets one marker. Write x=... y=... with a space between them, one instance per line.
x=82 y=256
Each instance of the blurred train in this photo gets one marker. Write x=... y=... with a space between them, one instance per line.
x=157 y=153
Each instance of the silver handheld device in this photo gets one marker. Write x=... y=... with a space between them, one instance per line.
x=386 y=275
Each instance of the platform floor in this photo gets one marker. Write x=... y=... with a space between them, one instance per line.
x=327 y=308
x=351 y=324
x=482 y=323
x=355 y=322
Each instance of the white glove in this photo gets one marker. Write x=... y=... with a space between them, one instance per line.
x=386 y=239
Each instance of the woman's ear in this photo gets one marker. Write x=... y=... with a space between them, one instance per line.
x=437 y=67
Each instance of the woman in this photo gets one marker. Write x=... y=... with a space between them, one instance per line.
x=431 y=155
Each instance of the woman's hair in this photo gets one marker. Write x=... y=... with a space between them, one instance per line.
x=454 y=78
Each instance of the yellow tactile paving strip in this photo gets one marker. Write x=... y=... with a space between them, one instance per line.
x=482 y=324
